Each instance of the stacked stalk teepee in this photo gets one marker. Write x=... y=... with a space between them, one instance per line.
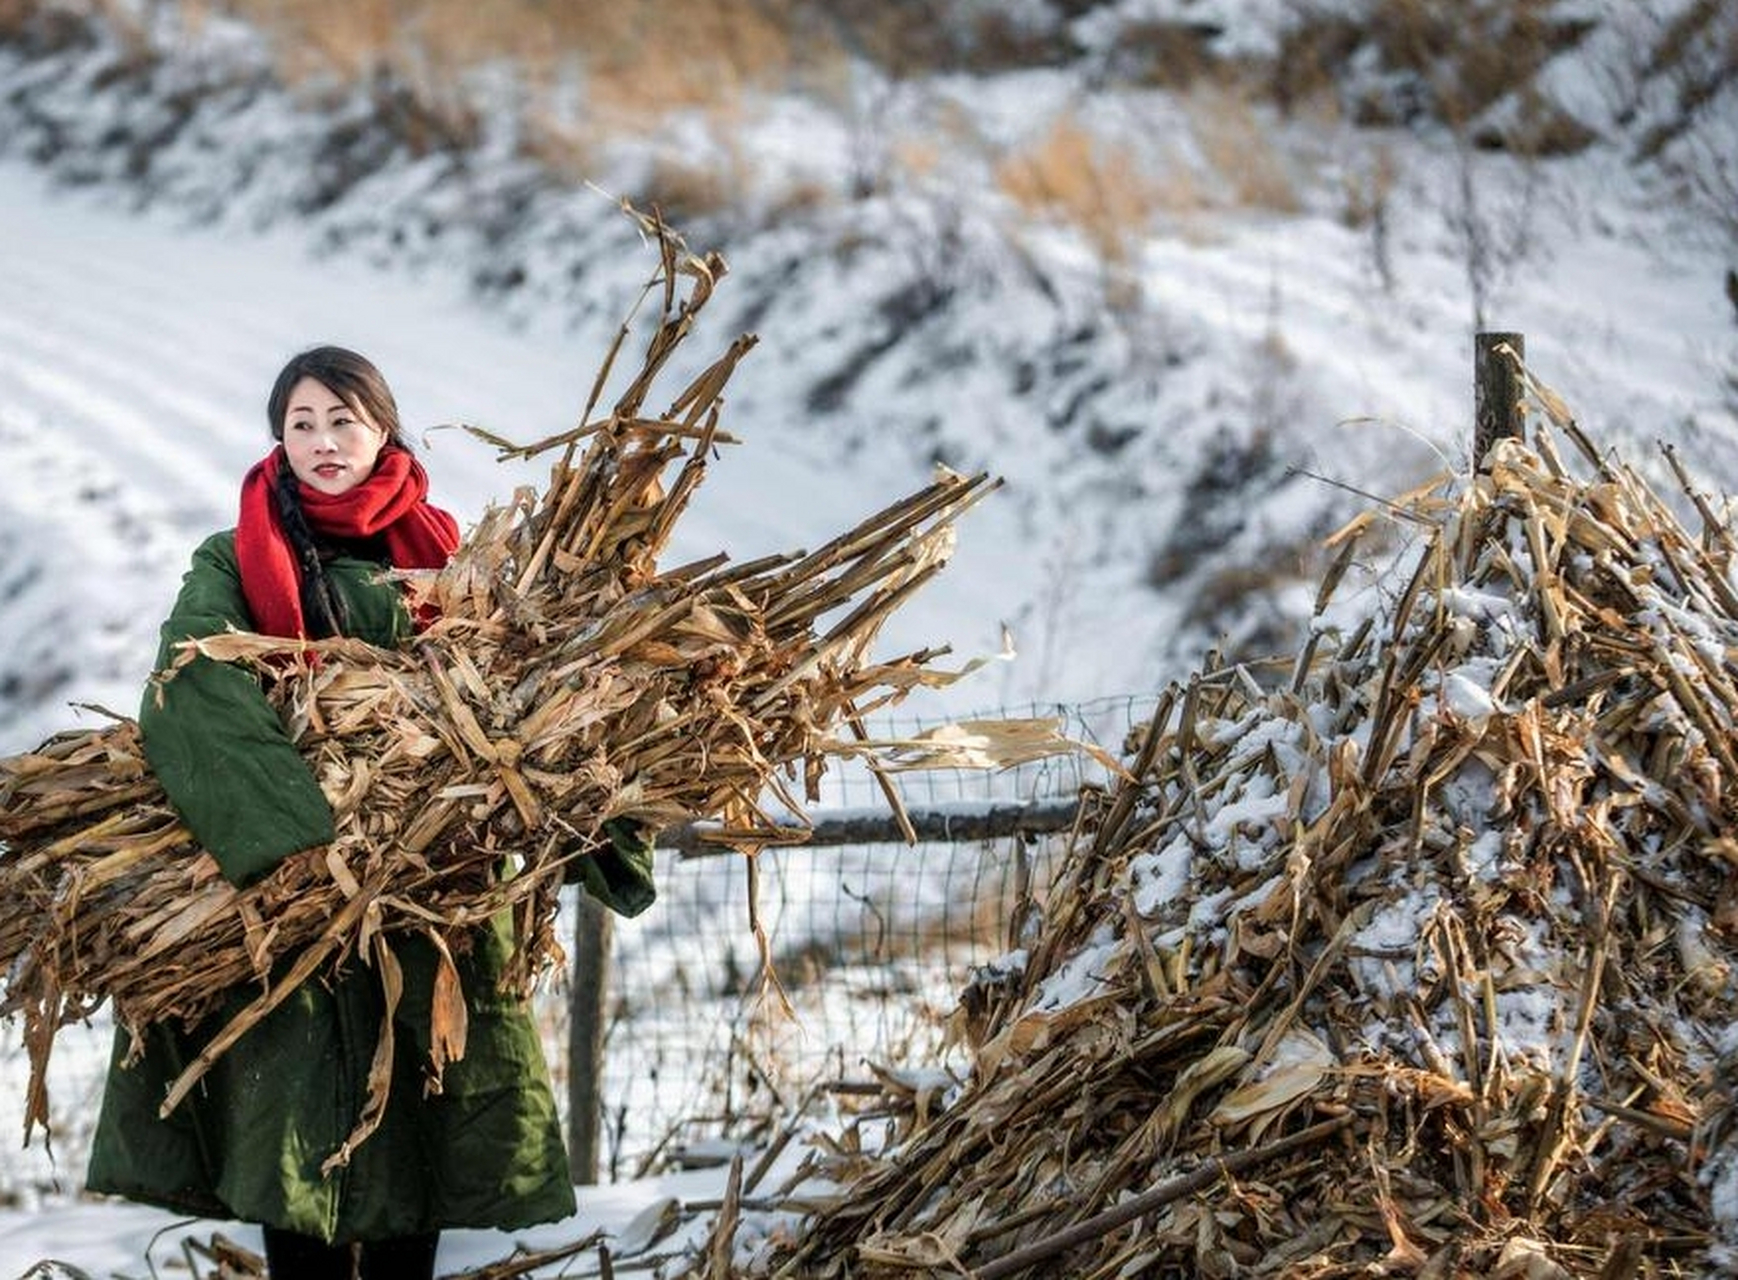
x=1420 y=960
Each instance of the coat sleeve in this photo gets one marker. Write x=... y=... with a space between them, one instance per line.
x=217 y=745
x=620 y=871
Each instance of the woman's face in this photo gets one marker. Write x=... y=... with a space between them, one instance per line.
x=331 y=447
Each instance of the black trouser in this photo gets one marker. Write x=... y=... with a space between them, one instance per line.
x=293 y=1257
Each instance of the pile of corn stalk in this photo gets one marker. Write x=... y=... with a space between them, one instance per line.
x=1419 y=958
x=568 y=680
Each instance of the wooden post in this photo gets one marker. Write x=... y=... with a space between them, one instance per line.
x=1498 y=400
x=588 y=1005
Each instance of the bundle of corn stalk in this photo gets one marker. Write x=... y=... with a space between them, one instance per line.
x=567 y=681
x=1420 y=958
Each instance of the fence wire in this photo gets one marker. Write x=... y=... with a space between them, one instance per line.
x=868 y=946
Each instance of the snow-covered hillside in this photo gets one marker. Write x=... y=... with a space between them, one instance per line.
x=1177 y=427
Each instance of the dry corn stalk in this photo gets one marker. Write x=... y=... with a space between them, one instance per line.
x=1456 y=902
x=568 y=680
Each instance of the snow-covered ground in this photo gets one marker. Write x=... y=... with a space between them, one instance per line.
x=126 y=1241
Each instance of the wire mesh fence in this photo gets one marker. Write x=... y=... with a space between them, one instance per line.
x=866 y=947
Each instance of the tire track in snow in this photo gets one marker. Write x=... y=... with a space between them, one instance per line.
x=109 y=477
x=76 y=550
x=150 y=434
x=121 y=446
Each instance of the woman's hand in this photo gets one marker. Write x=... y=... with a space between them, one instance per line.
x=312 y=862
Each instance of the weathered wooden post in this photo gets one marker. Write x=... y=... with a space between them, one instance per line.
x=587 y=1009
x=1499 y=408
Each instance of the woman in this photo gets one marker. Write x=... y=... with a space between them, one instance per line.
x=338 y=500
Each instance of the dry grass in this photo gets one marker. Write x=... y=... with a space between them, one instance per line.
x=1367 y=187
x=591 y=72
x=1099 y=186
x=686 y=186
x=587 y=72
x=560 y=142
x=1116 y=191
x=1240 y=150
x=678 y=53
x=639 y=61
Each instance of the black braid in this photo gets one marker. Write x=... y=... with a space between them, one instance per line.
x=323 y=610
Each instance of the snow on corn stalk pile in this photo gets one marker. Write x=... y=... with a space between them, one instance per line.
x=568 y=680
x=1418 y=960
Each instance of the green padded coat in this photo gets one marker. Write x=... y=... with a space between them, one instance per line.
x=248 y=1143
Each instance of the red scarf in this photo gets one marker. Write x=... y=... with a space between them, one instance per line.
x=391 y=503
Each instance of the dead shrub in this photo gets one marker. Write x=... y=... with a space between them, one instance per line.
x=686 y=187
x=16 y=18
x=1469 y=55
x=1368 y=188
x=1164 y=53
x=1454 y=61
x=1312 y=56
x=319 y=42
x=907 y=38
x=558 y=143
x=998 y=39
x=1240 y=150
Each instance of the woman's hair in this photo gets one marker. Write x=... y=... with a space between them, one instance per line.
x=350 y=377
x=355 y=381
